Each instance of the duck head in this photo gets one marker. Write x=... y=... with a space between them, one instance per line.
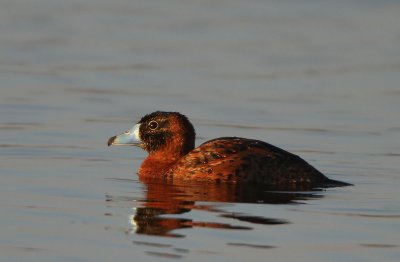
x=168 y=133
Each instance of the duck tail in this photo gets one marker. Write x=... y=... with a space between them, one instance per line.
x=336 y=183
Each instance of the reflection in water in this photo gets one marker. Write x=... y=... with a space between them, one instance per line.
x=163 y=199
x=250 y=245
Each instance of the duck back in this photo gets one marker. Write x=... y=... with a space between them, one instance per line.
x=234 y=160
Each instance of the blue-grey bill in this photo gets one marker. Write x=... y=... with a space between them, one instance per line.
x=129 y=138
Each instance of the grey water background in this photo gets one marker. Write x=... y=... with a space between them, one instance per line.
x=318 y=78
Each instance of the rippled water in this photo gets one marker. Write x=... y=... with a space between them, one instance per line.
x=318 y=78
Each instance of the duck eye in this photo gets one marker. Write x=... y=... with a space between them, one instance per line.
x=153 y=125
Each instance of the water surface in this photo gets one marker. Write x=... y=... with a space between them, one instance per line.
x=317 y=78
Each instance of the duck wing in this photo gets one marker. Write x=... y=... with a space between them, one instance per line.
x=234 y=159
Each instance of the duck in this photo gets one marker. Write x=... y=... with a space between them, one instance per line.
x=169 y=139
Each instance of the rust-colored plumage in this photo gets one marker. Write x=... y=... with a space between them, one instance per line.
x=169 y=139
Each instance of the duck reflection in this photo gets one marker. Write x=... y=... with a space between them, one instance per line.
x=163 y=199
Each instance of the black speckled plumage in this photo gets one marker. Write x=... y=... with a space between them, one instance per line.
x=248 y=160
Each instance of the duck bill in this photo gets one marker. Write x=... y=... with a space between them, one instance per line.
x=129 y=138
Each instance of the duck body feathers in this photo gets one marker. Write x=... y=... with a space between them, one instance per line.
x=237 y=160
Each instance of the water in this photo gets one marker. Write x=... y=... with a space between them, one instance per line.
x=318 y=78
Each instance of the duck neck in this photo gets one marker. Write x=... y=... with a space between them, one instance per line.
x=160 y=161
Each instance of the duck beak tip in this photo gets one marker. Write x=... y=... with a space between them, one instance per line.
x=111 y=140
